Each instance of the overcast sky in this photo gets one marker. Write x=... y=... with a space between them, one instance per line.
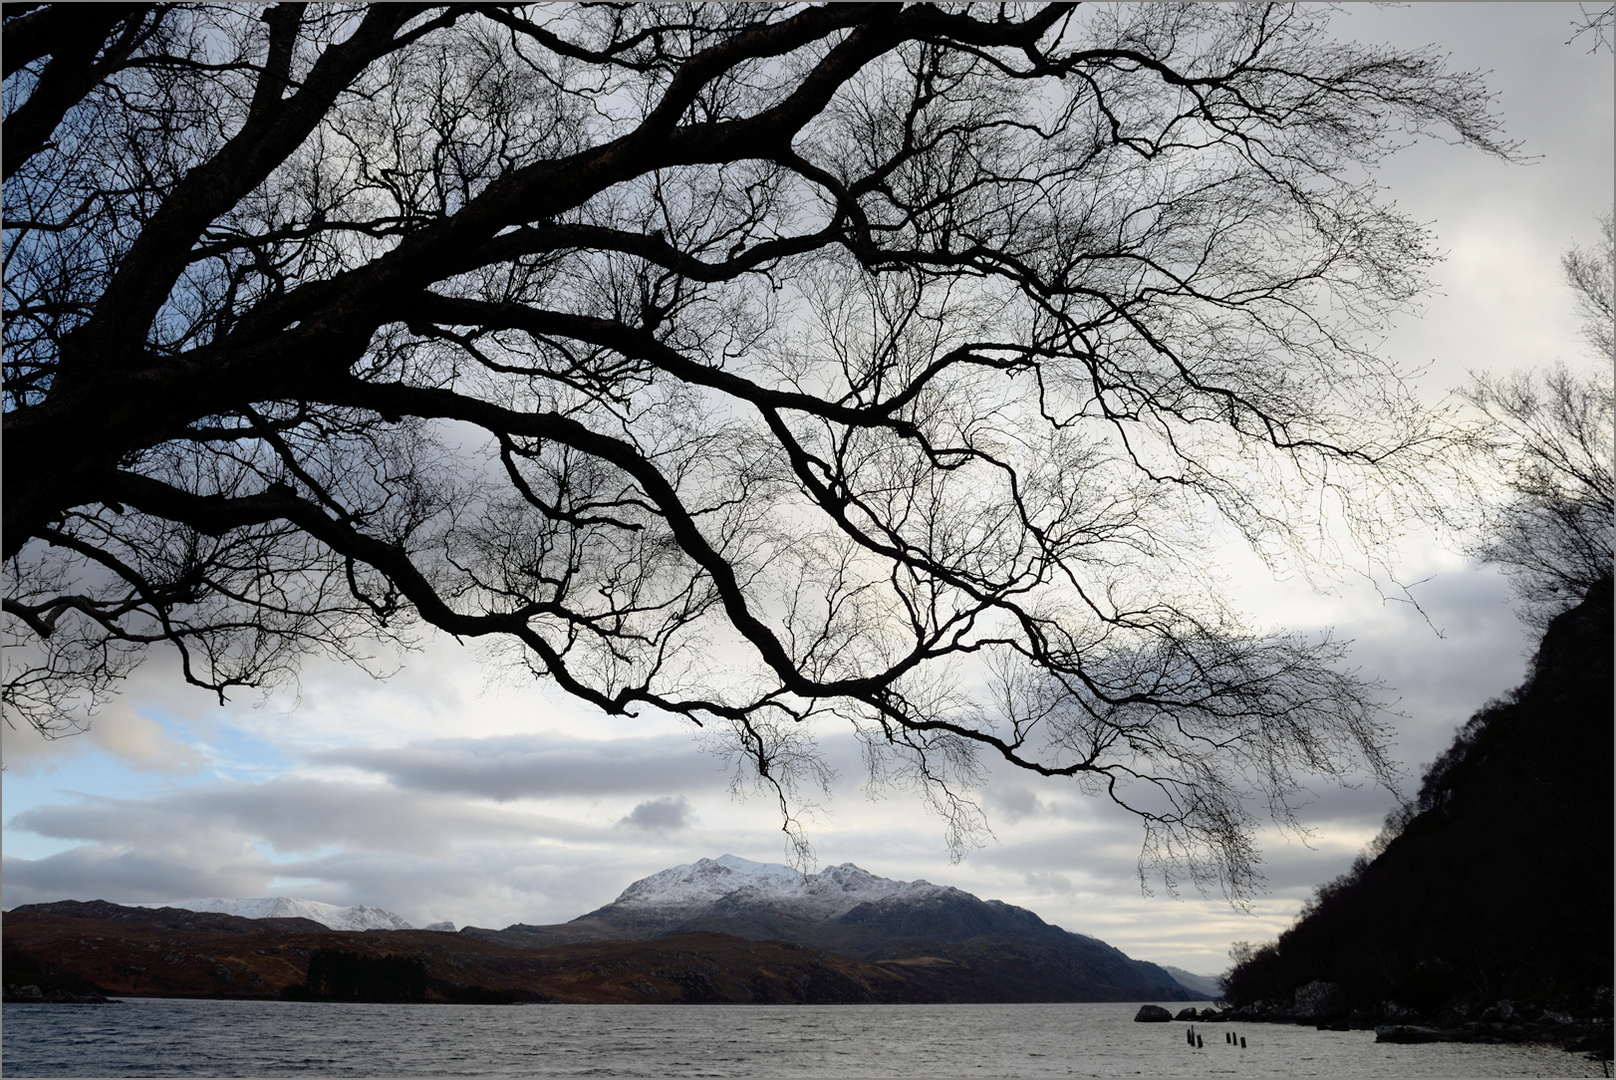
x=445 y=793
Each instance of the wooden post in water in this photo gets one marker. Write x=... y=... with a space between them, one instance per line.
x=1198 y=1044
x=1242 y=1042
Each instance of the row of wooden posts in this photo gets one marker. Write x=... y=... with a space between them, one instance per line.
x=1228 y=1037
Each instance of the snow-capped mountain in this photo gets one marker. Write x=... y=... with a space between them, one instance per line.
x=825 y=895
x=358 y=917
x=974 y=949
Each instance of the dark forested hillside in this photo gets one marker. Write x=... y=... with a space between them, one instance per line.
x=1498 y=884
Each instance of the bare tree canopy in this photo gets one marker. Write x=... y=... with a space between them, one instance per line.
x=1596 y=22
x=1551 y=436
x=900 y=363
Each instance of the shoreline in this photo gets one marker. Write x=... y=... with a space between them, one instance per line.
x=1591 y=1035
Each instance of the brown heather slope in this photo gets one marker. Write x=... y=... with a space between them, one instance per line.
x=74 y=948
x=138 y=953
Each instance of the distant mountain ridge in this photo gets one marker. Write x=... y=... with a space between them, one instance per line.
x=717 y=930
x=829 y=893
x=996 y=950
x=85 y=951
x=1207 y=986
x=356 y=917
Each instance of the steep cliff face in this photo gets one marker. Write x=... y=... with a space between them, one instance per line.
x=1501 y=886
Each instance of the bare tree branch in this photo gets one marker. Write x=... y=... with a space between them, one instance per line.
x=887 y=365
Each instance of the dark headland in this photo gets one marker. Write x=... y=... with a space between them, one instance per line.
x=1487 y=913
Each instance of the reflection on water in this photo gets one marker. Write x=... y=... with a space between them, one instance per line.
x=271 y=1038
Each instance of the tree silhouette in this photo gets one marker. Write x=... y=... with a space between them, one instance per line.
x=1551 y=436
x=747 y=363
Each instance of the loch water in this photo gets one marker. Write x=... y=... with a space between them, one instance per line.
x=173 y=1037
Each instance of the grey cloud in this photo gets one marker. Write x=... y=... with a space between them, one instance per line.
x=1081 y=855
x=423 y=855
x=293 y=814
x=1100 y=865
x=488 y=884
x=1014 y=802
x=1101 y=853
x=537 y=766
x=1326 y=805
x=660 y=815
x=1045 y=882
x=484 y=886
x=109 y=872
x=151 y=822
x=1437 y=682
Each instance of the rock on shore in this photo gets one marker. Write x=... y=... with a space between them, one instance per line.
x=1499 y=1023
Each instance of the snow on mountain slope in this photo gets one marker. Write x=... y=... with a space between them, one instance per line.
x=827 y=894
x=358 y=917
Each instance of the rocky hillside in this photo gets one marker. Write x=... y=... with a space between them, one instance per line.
x=1492 y=903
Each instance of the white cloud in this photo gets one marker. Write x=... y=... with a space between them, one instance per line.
x=139 y=742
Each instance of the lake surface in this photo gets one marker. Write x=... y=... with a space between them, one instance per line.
x=171 y=1037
